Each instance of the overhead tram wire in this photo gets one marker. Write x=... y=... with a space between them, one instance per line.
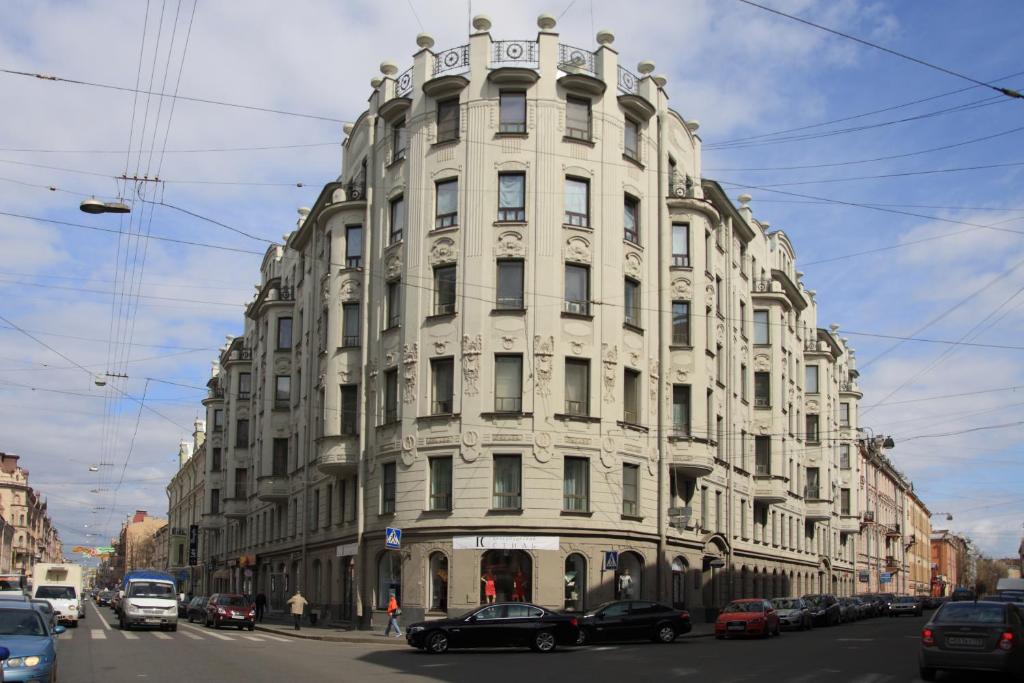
x=197 y=150
x=1003 y=91
x=901 y=174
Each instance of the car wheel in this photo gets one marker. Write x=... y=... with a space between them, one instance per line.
x=544 y=641
x=437 y=643
x=666 y=633
x=582 y=637
x=926 y=673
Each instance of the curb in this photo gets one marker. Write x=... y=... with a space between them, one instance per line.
x=356 y=639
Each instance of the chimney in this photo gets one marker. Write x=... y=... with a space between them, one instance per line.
x=184 y=452
x=139 y=516
x=199 y=435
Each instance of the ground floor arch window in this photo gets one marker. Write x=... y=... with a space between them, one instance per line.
x=629 y=576
x=679 y=569
x=506 y=576
x=439 y=582
x=389 y=578
x=575 y=582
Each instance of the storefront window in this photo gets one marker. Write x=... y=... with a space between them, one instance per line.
x=506 y=576
x=575 y=582
x=389 y=578
x=629 y=576
x=439 y=582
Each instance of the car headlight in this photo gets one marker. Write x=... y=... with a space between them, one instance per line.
x=172 y=610
x=13 y=662
x=130 y=608
x=415 y=629
x=31 y=661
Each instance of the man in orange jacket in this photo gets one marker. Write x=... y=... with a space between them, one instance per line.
x=393 y=611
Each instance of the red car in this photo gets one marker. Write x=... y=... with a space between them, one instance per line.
x=230 y=609
x=748 y=617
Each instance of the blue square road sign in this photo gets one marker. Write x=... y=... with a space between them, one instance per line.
x=393 y=538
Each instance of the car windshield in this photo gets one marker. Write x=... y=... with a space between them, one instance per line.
x=906 y=600
x=815 y=600
x=744 y=607
x=21 y=623
x=10 y=584
x=970 y=613
x=56 y=592
x=786 y=603
x=232 y=600
x=150 y=589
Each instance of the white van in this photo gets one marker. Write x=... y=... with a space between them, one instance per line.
x=61 y=586
x=149 y=599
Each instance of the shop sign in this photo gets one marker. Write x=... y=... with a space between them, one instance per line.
x=885 y=577
x=505 y=542
x=193 y=545
x=611 y=560
x=863 y=577
x=347 y=550
x=393 y=538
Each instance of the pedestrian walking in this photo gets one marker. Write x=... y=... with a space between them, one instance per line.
x=261 y=606
x=297 y=603
x=394 y=610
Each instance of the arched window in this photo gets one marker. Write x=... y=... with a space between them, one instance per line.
x=438 y=582
x=506 y=575
x=575 y=582
x=629 y=577
x=679 y=569
x=389 y=578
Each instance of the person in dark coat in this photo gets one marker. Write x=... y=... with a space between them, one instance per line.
x=261 y=606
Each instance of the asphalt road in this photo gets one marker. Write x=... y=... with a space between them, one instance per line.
x=871 y=651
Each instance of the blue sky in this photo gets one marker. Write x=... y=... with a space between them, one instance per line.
x=740 y=71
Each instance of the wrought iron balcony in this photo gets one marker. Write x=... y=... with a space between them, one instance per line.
x=761 y=286
x=454 y=59
x=680 y=185
x=403 y=84
x=514 y=53
x=355 y=189
x=575 y=59
x=628 y=81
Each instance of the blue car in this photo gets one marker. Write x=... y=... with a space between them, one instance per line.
x=31 y=642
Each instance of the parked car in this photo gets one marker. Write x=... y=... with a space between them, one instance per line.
x=104 y=597
x=46 y=609
x=847 y=610
x=197 y=610
x=825 y=609
x=906 y=604
x=864 y=608
x=972 y=636
x=748 y=617
x=512 y=624
x=633 y=620
x=793 y=613
x=31 y=643
x=886 y=601
x=962 y=594
x=230 y=609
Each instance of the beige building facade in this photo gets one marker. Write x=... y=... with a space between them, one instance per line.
x=523 y=330
x=138 y=545
x=917 y=540
x=33 y=537
x=186 y=496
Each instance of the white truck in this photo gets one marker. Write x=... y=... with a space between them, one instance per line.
x=61 y=586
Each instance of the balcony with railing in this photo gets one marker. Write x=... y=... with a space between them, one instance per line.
x=515 y=53
x=575 y=59
x=339 y=455
x=816 y=508
x=212 y=520
x=689 y=458
x=236 y=508
x=452 y=61
x=893 y=530
x=272 y=489
x=849 y=524
x=771 y=488
x=355 y=188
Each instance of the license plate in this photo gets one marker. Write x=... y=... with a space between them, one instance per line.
x=737 y=627
x=955 y=641
x=152 y=621
x=237 y=616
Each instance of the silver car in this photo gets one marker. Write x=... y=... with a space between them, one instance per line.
x=794 y=613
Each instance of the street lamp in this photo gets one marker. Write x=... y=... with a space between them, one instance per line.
x=95 y=206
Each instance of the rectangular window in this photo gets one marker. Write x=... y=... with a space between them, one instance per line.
x=761 y=333
x=844 y=501
x=577 y=202
x=681 y=323
x=350 y=324
x=398 y=141
x=444 y=290
x=813 y=489
x=681 y=409
x=508 y=492
x=631 y=490
x=218 y=420
x=282 y=390
x=812 y=429
x=631 y=219
x=632 y=302
x=812 y=379
x=448 y=120
x=719 y=365
x=577 y=289
x=441 y=484
x=631 y=139
x=393 y=304
x=511 y=112
x=762 y=455
x=314 y=512
x=353 y=246
x=447 y=209
x=844 y=414
x=244 y=386
x=443 y=371
x=510 y=286
x=719 y=518
x=512 y=197
x=718 y=296
x=576 y=485
x=242 y=434
x=631 y=393
x=387 y=488
x=508 y=383
x=215 y=501
x=329 y=500
x=743 y=381
x=762 y=390
x=577 y=118
x=844 y=456
x=681 y=245
x=279 y=466
x=743 y=319
x=577 y=386
x=396 y=217
x=349 y=409
x=284 y=334
x=391 y=395
x=215 y=462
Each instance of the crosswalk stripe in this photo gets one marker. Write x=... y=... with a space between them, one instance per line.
x=218 y=636
x=130 y=636
x=256 y=638
x=97 y=634
x=191 y=635
x=161 y=636
x=280 y=640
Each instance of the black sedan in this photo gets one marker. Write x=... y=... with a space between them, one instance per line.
x=196 y=611
x=906 y=604
x=633 y=620
x=509 y=624
x=103 y=597
x=825 y=609
x=972 y=636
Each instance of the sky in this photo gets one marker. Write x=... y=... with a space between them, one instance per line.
x=938 y=255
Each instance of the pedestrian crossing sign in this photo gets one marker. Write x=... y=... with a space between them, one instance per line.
x=393 y=538
x=611 y=560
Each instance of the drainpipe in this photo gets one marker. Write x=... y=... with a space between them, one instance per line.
x=662 y=467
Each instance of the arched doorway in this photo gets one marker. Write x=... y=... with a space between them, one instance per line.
x=629 y=577
x=575 y=582
x=389 y=578
x=680 y=568
x=438 y=582
x=510 y=572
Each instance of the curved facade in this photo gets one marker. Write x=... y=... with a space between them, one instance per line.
x=523 y=330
